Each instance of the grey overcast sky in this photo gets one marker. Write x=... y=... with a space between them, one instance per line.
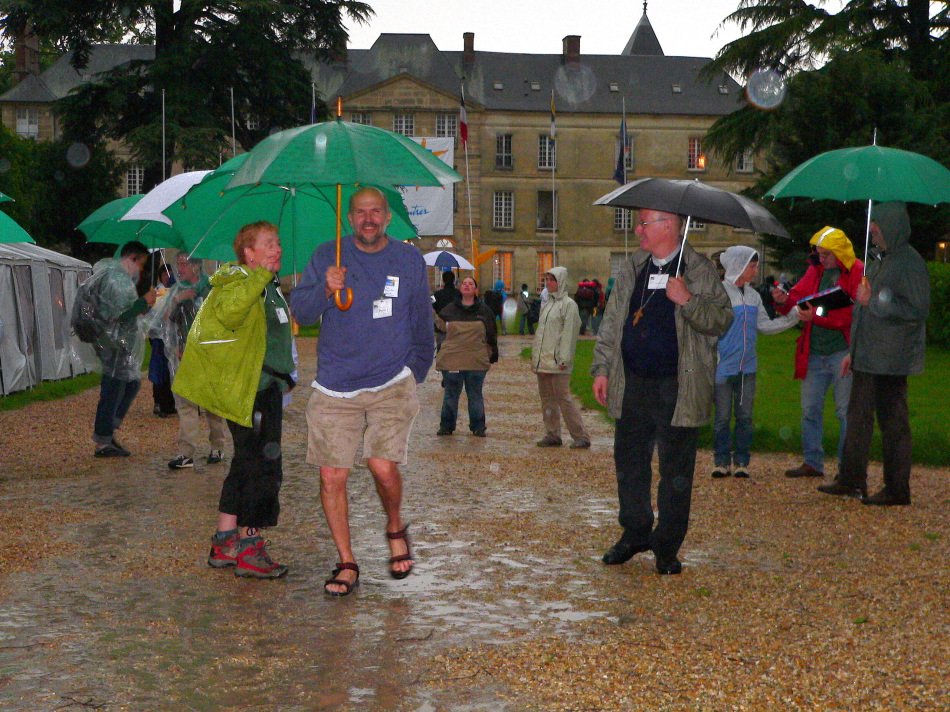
x=684 y=27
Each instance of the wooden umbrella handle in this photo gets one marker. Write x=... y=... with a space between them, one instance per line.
x=341 y=303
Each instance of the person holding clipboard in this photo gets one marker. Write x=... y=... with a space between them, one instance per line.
x=824 y=341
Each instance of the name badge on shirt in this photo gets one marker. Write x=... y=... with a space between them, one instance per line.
x=281 y=315
x=392 y=288
x=382 y=308
x=658 y=281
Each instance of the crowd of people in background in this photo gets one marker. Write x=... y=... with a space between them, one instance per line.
x=675 y=345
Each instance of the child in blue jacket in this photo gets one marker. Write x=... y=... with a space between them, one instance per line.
x=735 y=374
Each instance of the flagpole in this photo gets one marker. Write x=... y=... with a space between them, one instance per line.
x=313 y=103
x=552 y=154
x=623 y=153
x=468 y=183
x=163 y=135
x=233 y=138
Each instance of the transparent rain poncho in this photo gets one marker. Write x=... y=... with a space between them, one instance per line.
x=173 y=313
x=120 y=346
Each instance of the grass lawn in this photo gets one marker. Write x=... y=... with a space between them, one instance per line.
x=777 y=414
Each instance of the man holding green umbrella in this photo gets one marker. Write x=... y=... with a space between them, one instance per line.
x=370 y=356
x=887 y=345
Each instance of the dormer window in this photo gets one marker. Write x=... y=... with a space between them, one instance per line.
x=677 y=89
x=535 y=86
x=614 y=87
x=723 y=89
x=498 y=86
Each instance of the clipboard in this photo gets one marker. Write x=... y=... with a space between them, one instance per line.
x=828 y=299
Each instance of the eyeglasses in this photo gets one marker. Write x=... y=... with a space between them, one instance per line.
x=644 y=223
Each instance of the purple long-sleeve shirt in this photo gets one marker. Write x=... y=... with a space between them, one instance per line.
x=355 y=350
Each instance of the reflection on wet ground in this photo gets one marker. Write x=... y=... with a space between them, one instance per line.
x=128 y=616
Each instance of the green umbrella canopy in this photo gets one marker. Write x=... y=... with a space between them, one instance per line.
x=340 y=152
x=10 y=230
x=872 y=172
x=4 y=198
x=103 y=225
x=208 y=217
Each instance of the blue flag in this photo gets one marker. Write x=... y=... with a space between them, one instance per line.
x=620 y=172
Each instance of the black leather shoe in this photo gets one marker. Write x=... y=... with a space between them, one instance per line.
x=622 y=552
x=885 y=499
x=804 y=470
x=843 y=490
x=668 y=566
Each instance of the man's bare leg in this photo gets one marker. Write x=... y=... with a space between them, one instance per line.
x=389 y=487
x=336 y=510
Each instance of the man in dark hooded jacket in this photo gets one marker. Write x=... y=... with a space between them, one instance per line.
x=887 y=345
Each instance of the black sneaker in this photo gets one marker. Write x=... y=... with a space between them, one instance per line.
x=445 y=431
x=116 y=444
x=180 y=463
x=667 y=566
x=720 y=472
x=479 y=433
x=741 y=473
x=214 y=457
x=111 y=450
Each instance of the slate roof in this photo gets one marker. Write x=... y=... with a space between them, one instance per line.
x=643 y=40
x=60 y=78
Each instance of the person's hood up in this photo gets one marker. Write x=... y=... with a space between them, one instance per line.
x=230 y=272
x=499 y=285
x=894 y=222
x=559 y=274
x=735 y=259
x=833 y=239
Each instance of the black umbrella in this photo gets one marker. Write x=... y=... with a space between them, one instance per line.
x=696 y=200
x=693 y=199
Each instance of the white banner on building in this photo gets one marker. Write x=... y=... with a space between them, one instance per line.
x=430 y=208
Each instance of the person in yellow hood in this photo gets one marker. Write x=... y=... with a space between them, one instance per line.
x=823 y=343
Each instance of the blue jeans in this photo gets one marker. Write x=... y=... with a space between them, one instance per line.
x=523 y=321
x=824 y=372
x=115 y=399
x=737 y=397
x=452 y=382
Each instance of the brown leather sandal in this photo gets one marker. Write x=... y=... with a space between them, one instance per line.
x=345 y=566
x=402 y=534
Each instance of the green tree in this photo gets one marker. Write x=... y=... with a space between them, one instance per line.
x=203 y=51
x=839 y=105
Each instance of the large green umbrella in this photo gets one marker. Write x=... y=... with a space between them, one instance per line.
x=208 y=216
x=871 y=173
x=10 y=230
x=339 y=153
x=103 y=225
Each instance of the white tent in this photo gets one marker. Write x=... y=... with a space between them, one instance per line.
x=37 y=289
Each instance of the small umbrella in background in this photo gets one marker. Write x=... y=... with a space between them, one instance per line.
x=208 y=216
x=871 y=173
x=4 y=198
x=10 y=230
x=162 y=195
x=340 y=153
x=104 y=226
x=694 y=200
x=444 y=260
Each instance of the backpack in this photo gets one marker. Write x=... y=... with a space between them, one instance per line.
x=493 y=301
x=84 y=320
x=586 y=293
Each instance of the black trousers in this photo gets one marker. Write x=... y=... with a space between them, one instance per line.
x=251 y=488
x=886 y=397
x=644 y=424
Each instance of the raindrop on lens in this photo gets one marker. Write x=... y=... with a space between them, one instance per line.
x=77 y=155
x=4 y=165
x=765 y=89
x=884 y=295
x=575 y=83
x=271 y=450
x=494 y=468
x=785 y=432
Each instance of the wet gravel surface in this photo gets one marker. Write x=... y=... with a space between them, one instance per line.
x=788 y=599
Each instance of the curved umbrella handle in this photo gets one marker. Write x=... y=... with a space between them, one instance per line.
x=341 y=303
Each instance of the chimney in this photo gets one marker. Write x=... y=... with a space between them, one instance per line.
x=571 y=49
x=468 y=47
x=26 y=53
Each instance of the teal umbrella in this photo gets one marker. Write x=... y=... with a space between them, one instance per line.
x=871 y=173
x=4 y=198
x=103 y=225
x=209 y=216
x=338 y=154
x=10 y=230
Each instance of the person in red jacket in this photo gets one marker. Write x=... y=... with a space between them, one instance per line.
x=823 y=343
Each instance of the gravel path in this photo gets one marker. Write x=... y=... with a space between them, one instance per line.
x=788 y=599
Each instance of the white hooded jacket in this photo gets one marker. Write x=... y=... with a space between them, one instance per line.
x=558 y=326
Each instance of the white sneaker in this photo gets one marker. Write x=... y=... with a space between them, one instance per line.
x=180 y=463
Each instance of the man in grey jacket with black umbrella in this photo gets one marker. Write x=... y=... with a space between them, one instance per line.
x=653 y=367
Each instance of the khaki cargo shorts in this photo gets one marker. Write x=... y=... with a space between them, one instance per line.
x=380 y=422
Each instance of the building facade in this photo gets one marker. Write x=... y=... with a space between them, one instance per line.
x=544 y=138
